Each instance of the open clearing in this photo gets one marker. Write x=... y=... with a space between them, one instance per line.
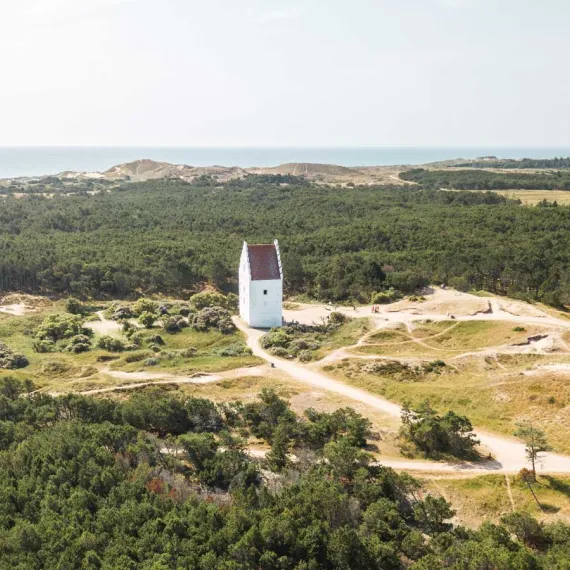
x=500 y=362
x=488 y=497
x=532 y=197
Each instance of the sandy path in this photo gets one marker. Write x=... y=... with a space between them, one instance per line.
x=154 y=382
x=104 y=326
x=509 y=454
x=16 y=309
x=309 y=314
x=165 y=378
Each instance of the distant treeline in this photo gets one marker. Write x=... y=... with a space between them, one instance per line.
x=167 y=236
x=554 y=163
x=486 y=180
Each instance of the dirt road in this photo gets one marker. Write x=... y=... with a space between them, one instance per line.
x=509 y=454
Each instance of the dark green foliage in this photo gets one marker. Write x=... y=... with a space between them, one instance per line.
x=493 y=162
x=168 y=237
x=383 y=297
x=435 y=435
x=235 y=349
x=80 y=488
x=61 y=326
x=10 y=359
x=214 y=299
x=301 y=341
x=111 y=343
x=155 y=339
x=164 y=236
x=212 y=317
x=174 y=323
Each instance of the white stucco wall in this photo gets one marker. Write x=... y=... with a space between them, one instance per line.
x=265 y=303
x=244 y=283
x=260 y=302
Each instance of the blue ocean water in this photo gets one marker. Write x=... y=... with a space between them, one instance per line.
x=35 y=161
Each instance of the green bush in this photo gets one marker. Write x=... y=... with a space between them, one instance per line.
x=276 y=337
x=279 y=351
x=214 y=299
x=111 y=343
x=189 y=352
x=10 y=359
x=136 y=338
x=174 y=324
x=42 y=346
x=137 y=356
x=235 y=349
x=436 y=435
x=61 y=326
x=76 y=307
x=384 y=297
x=78 y=343
x=337 y=318
x=213 y=317
x=144 y=305
x=155 y=339
x=147 y=319
x=305 y=355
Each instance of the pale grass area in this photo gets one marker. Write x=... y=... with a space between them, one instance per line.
x=495 y=392
x=450 y=339
x=532 y=197
x=486 y=498
x=66 y=372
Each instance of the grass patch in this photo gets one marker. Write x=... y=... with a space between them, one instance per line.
x=491 y=396
x=446 y=338
x=478 y=499
x=63 y=371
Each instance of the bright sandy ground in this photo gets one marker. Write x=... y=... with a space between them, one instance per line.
x=440 y=305
x=321 y=390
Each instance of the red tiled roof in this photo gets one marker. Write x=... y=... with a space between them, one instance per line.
x=263 y=262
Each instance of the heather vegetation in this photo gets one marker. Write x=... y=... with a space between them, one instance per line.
x=167 y=236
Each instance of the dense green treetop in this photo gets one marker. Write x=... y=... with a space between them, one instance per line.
x=337 y=244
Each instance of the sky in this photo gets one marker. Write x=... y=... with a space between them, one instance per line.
x=285 y=73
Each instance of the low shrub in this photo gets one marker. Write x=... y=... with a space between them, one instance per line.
x=155 y=339
x=147 y=319
x=137 y=356
x=305 y=355
x=111 y=343
x=78 y=343
x=174 y=324
x=188 y=352
x=10 y=359
x=235 y=349
x=213 y=317
x=384 y=297
x=212 y=299
x=42 y=346
x=279 y=351
x=144 y=305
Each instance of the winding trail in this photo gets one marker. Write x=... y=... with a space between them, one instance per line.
x=509 y=454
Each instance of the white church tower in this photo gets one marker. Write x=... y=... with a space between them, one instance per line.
x=261 y=285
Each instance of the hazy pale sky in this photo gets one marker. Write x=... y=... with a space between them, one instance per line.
x=277 y=73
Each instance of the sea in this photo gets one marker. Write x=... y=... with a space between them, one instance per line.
x=36 y=161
